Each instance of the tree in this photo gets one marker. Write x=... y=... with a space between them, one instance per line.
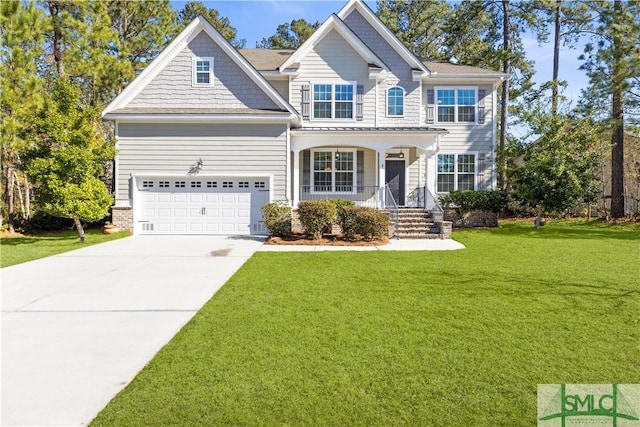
x=488 y=34
x=569 y=21
x=193 y=9
x=613 y=68
x=66 y=160
x=420 y=25
x=22 y=89
x=289 y=35
x=558 y=169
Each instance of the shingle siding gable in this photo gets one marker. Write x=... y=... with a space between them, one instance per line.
x=232 y=87
x=401 y=73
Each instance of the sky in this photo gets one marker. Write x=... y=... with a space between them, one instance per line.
x=256 y=20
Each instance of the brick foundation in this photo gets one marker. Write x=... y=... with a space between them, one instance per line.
x=472 y=219
x=122 y=216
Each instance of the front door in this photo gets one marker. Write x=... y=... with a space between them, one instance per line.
x=394 y=175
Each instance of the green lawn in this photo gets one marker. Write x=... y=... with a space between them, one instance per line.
x=22 y=249
x=403 y=338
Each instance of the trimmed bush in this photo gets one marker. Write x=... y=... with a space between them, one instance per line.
x=466 y=201
x=348 y=221
x=316 y=217
x=277 y=219
x=369 y=223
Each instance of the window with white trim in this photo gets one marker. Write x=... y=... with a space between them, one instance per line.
x=456 y=105
x=395 y=102
x=333 y=171
x=455 y=172
x=203 y=71
x=334 y=100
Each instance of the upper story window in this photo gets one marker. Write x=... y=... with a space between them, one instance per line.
x=333 y=100
x=456 y=105
x=395 y=102
x=456 y=172
x=203 y=71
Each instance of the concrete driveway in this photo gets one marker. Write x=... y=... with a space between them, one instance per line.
x=77 y=327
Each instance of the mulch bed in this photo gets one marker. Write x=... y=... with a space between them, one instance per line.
x=328 y=240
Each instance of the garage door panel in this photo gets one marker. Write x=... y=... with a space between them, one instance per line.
x=180 y=206
x=179 y=213
x=179 y=198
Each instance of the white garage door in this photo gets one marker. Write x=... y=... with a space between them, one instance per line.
x=201 y=205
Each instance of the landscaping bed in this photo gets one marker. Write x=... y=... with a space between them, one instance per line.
x=337 y=240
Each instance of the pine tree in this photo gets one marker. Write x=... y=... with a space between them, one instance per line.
x=613 y=67
x=289 y=35
x=193 y=9
x=21 y=28
x=419 y=24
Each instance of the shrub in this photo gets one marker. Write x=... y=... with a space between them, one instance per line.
x=348 y=221
x=316 y=216
x=277 y=218
x=466 y=201
x=342 y=202
x=367 y=222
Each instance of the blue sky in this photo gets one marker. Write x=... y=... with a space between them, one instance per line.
x=256 y=20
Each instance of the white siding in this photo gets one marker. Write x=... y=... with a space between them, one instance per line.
x=223 y=148
x=173 y=88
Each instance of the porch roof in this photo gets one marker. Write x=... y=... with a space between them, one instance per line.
x=361 y=129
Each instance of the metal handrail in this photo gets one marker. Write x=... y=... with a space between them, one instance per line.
x=437 y=212
x=393 y=209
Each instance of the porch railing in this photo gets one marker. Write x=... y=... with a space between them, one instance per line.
x=361 y=195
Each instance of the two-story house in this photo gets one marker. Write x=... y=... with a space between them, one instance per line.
x=207 y=134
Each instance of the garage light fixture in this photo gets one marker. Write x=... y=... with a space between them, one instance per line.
x=195 y=168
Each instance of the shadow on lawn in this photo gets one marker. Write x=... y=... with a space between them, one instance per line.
x=50 y=236
x=589 y=230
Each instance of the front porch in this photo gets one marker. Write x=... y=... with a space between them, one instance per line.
x=379 y=168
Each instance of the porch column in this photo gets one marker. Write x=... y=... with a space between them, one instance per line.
x=296 y=178
x=381 y=178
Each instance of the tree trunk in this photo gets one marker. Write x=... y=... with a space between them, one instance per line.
x=78 y=224
x=9 y=199
x=54 y=10
x=556 y=60
x=617 y=116
x=504 y=108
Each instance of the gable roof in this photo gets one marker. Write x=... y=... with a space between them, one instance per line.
x=198 y=25
x=384 y=31
x=266 y=59
x=445 y=68
x=335 y=23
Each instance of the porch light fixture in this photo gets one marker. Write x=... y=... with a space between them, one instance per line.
x=394 y=155
x=337 y=153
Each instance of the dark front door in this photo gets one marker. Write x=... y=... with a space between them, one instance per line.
x=394 y=175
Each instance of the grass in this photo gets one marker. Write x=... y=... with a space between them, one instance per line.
x=403 y=338
x=16 y=250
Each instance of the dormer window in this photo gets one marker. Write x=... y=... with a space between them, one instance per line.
x=395 y=102
x=333 y=100
x=203 y=71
